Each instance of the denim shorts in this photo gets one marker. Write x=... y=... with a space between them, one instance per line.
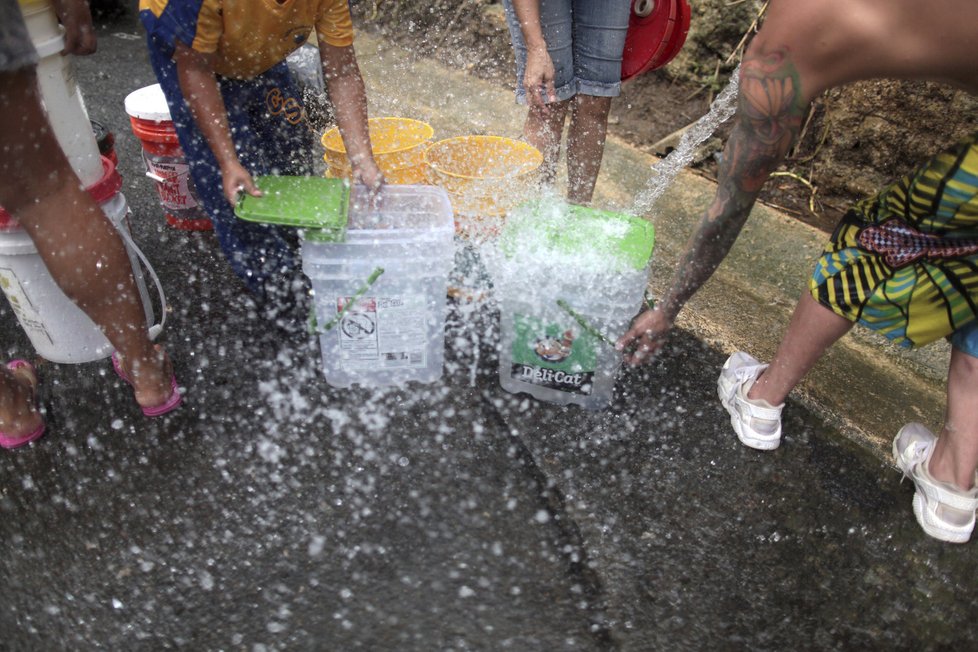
x=965 y=339
x=585 y=39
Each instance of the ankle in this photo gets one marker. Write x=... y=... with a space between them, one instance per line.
x=759 y=391
x=942 y=467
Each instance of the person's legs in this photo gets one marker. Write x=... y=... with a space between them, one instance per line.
x=544 y=127
x=812 y=330
x=955 y=455
x=599 y=30
x=753 y=393
x=585 y=145
x=79 y=245
x=943 y=468
x=20 y=421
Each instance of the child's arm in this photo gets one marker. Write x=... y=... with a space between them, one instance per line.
x=200 y=90
x=347 y=94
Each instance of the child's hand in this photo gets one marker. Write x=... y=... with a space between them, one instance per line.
x=369 y=175
x=236 y=180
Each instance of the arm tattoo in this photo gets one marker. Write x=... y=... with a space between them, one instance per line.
x=768 y=120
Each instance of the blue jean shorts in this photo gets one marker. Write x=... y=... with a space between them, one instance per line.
x=585 y=39
x=965 y=339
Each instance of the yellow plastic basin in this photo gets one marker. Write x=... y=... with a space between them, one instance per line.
x=485 y=176
x=397 y=145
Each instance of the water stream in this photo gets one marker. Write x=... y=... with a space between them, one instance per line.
x=665 y=171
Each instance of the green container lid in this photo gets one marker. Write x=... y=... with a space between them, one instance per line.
x=571 y=229
x=315 y=204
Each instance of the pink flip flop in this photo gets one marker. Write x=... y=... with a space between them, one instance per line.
x=10 y=441
x=168 y=405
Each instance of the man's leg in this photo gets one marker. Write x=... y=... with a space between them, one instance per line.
x=812 y=330
x=956 y=451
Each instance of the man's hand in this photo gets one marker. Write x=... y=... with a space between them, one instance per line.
x=646 y=336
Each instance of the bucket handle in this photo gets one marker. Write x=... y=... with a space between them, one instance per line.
x=149 y=169
x=356 y=295
x=154 y=329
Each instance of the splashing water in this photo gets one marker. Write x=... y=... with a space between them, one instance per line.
x=665 y=171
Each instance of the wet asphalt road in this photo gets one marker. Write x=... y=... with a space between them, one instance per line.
x=275 y=512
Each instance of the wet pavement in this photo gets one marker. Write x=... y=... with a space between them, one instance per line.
x=275 y=512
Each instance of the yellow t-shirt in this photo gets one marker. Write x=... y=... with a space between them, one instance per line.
x=249 y=36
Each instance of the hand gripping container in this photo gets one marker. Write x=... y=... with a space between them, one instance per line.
x=379 y=279
x=569 y=280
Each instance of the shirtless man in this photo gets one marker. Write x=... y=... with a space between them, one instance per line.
x=802 y=50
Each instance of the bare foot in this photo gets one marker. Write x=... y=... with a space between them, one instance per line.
x=151 y=378
x=20 y=418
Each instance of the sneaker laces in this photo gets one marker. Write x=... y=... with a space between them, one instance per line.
x=914 y=454
x=743 y=374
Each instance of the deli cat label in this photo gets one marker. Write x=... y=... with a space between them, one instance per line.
x=558 y=356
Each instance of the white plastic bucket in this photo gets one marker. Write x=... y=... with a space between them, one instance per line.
x=547 y=353
x=58 y=329
x=380 y=295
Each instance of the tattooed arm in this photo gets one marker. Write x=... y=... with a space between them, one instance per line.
x=768 y=121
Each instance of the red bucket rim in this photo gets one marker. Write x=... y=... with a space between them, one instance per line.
x=101 y=191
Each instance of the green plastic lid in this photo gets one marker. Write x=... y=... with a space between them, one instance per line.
x=315 y=204
x=572 y=229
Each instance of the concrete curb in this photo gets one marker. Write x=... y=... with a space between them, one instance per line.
x=863 y=386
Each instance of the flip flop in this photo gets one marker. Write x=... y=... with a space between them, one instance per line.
x=168 y=405
x=11 y=441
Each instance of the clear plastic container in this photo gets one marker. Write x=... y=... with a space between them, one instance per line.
x=380 y=294
x=570 y=280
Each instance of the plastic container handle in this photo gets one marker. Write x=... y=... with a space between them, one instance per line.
x=154 y=329
x=356 y=295
x=585 y=324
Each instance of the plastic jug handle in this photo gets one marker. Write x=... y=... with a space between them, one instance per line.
x=585 y=324
x=356 y=295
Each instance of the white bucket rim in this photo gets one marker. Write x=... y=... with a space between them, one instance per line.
x=148 y=103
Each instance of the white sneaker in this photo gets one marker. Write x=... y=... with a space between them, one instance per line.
x=756 y=422
x=944 y=511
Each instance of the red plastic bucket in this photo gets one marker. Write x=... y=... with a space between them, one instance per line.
x=165 y=162
x=657 y=30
